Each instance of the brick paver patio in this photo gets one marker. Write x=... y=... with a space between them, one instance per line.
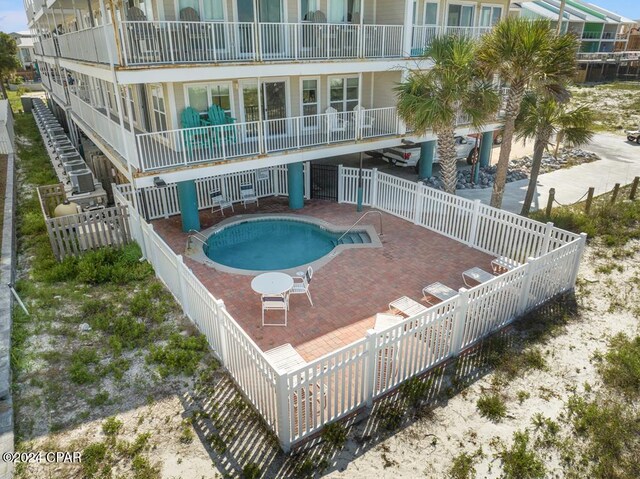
x=349 y=290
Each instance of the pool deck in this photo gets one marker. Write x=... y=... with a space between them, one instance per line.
x=347 y=291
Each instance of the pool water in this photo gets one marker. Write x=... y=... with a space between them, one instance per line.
x=274 y=244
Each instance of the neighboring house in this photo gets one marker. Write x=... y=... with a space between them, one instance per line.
x=296 y=81
x=26 y=53
x=604 y=35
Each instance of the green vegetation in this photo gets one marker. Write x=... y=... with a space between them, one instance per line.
x=181 y=355
x=519 y=461
x=621 y=367
x=334 y=435
x=492 y=407
x=463 y=467
x=251 y=471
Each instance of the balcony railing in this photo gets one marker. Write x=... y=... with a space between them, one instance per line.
x=99 y=120
x=424 y=34
x=59 y=91
x=591 y=35
x=609 y=56
x=213 y=42
x=88 y=45
x=167 y=149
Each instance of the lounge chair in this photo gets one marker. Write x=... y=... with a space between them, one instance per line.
x=407 y=306
x=503 y=264
x=437 y=292
x=218 y=200
x=301 y=283
x=216 y=116
x=144 y=37
x=275 y=302
x=363 y=121
x=195 y=136
x=475 y=276
x=334 y=122
x=248 y=194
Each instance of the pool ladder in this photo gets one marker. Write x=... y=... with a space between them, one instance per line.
x=196 y=235
x=358 y=221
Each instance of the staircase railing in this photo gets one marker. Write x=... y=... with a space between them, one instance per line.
x=194 y=234
x=358 y=221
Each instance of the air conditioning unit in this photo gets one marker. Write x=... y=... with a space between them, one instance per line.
x=74 y=164
x=82 y=181
x=64 y=149
x=55 y=130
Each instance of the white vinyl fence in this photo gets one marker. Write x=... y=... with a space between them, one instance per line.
x=298 y=404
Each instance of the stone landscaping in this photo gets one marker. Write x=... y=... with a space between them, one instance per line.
x=518 y=169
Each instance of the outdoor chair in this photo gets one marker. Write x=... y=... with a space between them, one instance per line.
x=364 y=121
x=194 y=135
x=475 y=276
x=248 y=194
x=145 y=36
x=278 y=302
x=502 y=264
x=301 y=283
x=437 y=292
x=216 y=116
x=406 y=306
x=219 y=201
x=198 y=35
x=334 y=122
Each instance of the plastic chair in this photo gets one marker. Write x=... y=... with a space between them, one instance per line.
x=193 y=134
x=218 y=199
x=335 y=123
x=278 y=302
x=301 y=283
x=217 y=116
x=248 y=194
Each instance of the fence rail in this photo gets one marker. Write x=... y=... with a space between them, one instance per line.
x=297 y=404
x=90 y=44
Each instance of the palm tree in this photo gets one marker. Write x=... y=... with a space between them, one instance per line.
x=540 y=118
x=525 y=54
x=435 y=99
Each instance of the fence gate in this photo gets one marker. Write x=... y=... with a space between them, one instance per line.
x=324 y=182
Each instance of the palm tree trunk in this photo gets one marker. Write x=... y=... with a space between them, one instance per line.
x=447 y=159
x=511 y=112
x=559 y=138
x=542 y=139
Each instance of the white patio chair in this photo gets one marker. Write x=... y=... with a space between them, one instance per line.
x=334 y=122
x=278 y=302
x=218 y=200
x=364 y=121
x=301 y=283
x=248 y=194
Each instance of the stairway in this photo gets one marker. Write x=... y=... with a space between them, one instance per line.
x=354 y=237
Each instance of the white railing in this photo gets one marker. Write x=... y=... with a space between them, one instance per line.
x=471 y=32
x=49 y=47
x=212 y=42
x=422 y=37
x=90 y=44
x=58 y=91
x=591 y=35
x=103 y=126
x=609 y=56
x=168 y=149
x=297 y=404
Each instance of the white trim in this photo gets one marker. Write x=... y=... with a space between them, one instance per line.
x=208 y=86
x=463 y=3
x=201 y=10
x=318 y=95
x=343 y=77
x=424 y=12
x=241 y=84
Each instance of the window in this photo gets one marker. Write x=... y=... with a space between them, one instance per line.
x=201 y=97
x=343 y=11
x=431 y=14
x=460 y=16
x=310 y=97
x=343 y=93
x=489 y=16
x=207 y=9
x=158 y=108
x=307 y=7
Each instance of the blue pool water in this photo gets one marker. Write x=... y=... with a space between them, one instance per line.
x=274 y=244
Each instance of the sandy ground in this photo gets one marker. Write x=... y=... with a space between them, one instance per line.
x=426 y=447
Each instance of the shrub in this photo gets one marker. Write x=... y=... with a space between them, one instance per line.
x=140 y=304
x=334 y=435
x=415 y=389
x=80 y=368
x=462 y=467
x=251 y=471
x=519 y=462
x=391 y=415
x=492 y=407
x=111 y=426
x=92 y=456
x=180 y=356
x=621 y=367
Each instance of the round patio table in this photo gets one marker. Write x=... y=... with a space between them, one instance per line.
x=272 y=283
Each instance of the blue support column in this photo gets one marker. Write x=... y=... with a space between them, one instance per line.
x=188 y=200
x=485 y=148
x=295 y=182
x=427 y=152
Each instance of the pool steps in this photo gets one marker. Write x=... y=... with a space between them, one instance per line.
x=355 y=237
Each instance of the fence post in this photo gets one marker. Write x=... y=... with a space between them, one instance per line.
x=576 y=265
x=474 y=224
x=307 y=180
x=587 y=207
x=340 y=184
x=526 y=285
x=552 y=196
x=282 y=401
x=222 y=332
x=180 y=267
x=460 y=321
x=372 y=366
x=373 y=188
x=614 y=196
x=547 y=238
x=417 y=207
x=634 y=188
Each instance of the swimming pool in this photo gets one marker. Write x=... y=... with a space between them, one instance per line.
x=275 y=243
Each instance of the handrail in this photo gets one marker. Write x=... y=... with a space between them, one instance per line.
x=197 y=235
x=360 y=219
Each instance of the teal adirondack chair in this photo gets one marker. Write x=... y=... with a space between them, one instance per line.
x=217 y=116
x=194 y=135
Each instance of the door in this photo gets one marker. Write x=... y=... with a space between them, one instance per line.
x=274 y=107
x=245 y=30
x=272 y=30
x=324 y=182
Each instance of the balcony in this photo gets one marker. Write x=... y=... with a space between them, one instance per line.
x=188 y=146
x=88 y=45
x=169 y=42
x=591 y=35
x=424 y=34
